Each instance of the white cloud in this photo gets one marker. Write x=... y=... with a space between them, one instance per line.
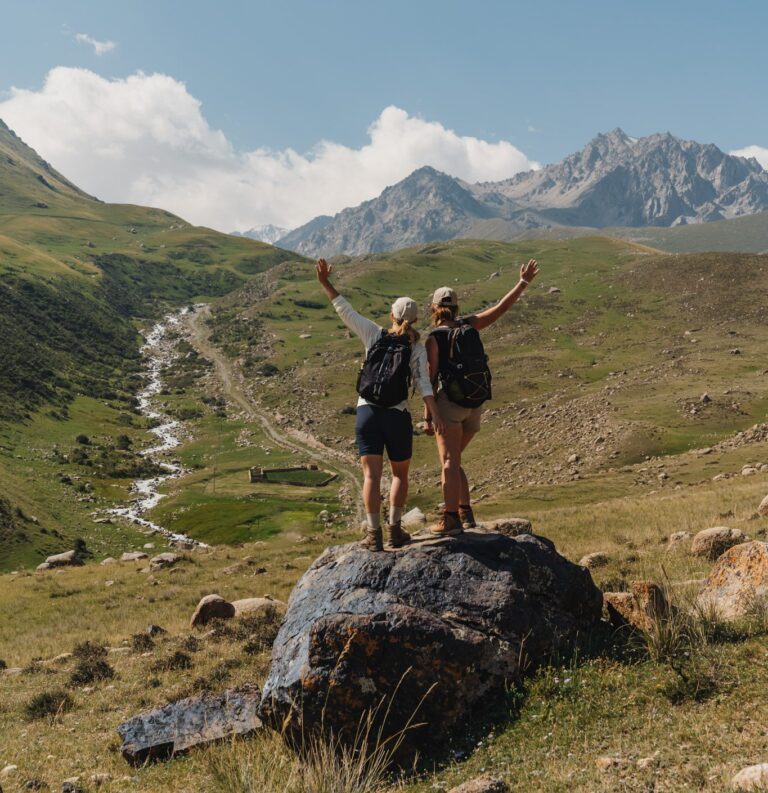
x=144 y=139
x=99 y=47
x=760 y=153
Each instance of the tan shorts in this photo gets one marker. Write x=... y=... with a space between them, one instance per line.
x=469 y=418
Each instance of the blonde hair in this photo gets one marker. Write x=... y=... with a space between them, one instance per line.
x=442 y=314
x=403 y=327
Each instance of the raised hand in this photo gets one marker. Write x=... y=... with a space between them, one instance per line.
x=323 y=270
x=529 y=271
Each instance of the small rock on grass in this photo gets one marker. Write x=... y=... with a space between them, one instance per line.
x=211 y=607
x=596 y=559
x=753 y=777
x=763 y=508
x=607 y=763
x=483 y=784
x=678 y=537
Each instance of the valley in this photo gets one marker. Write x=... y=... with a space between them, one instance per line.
x=150 y=364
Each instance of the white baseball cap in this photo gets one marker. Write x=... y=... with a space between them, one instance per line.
x=405 y=309
x=445 y=296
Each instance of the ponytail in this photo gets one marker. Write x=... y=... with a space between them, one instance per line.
x=404 y=328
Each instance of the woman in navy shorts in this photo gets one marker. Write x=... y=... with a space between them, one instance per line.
x=385 y=428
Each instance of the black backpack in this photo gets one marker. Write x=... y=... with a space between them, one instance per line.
x=463 y=365
x=385 y=377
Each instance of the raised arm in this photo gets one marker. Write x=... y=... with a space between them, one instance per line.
x=487 y=317
x=324 y=270
x=366 y=329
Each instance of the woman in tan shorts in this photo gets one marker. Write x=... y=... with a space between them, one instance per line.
x=461 y=422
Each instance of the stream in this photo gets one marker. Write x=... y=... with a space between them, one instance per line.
x=158 y=350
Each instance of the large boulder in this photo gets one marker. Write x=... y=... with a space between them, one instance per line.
x=211 y=607
x=258 y=607
x=710 y=543
x=163 y=732
x=738 y=582
x=133 y=556
x=429 y=632
x=66 y=559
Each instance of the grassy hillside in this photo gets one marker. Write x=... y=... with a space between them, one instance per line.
x=77 y=279
x=611 y=367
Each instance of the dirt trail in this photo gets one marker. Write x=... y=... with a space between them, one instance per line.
x=234 y=388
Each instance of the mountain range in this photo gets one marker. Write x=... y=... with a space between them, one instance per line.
x=615 y=181
x=268 y=233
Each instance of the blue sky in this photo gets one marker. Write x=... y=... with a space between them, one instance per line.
x=544 y=75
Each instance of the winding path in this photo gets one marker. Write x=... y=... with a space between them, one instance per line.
x=234 y=388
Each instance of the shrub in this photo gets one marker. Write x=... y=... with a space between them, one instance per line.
x=92 y=670
x=84 y=440
x=141 y=642
x=179 y=660
x=123 y=442
x=268 y=370
x=48 y=705
x=89 y=651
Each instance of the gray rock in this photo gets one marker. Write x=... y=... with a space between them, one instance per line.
x=753 y=777
x=595 y=559
x=164 y=732
x=509 y=527
x=211 y=607
x=446 y=623
x=414 y=518
x=710 y=543
x=483 y=784
x=252 y=607
x=133 y=556
x=163 y=560
x=66 y=559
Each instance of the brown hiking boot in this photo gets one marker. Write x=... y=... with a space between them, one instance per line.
x=467 y=518
x=397 y=537
x=447 y=526
x=373 y=540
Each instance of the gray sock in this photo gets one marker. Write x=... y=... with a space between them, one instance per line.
x=395 y=513
x=374 y=520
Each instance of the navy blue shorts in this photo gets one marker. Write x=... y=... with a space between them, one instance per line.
x=378 y=428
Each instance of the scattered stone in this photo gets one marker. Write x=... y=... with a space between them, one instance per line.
x=748 y=470
x=163 y=561
x=735 y=351
x=509 y=527
x=738 y=582
x=72 y=785
x=148 y=545
x=414 y=518
x=641 y=607
x=12 y=671
x=719 y=477
x=554 y=290
x=609 y=763
x=258 y=606
x=100 y=778
x=155 y=630
x=596 y=559
x=103 y=521
x=678 y=537
x=483 y=784
x=211 y=607
x=109 y=560
x=361 y=626
x=66 y=559
x=710 y=543
x=705 y=398
x=133 y=556
x=305 y=335
x=164 y=732
x=645 y=762
x=763 y=508
x=574 y=458
x=8 y=770
x=753 y=777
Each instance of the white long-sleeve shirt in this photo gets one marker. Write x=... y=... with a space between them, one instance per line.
x=369 y=333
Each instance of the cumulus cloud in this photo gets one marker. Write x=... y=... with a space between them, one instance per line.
x=760 y=153
x=144 y=139
x=99 y=47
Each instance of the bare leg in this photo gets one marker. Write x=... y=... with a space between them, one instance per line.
x=449 y=446
x=398 y=493
x=464 y=491
x=372 y=468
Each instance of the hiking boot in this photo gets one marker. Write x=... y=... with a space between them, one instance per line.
x=467 y=518
x=373 y=540
x=448 y=526
x=397 y=537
